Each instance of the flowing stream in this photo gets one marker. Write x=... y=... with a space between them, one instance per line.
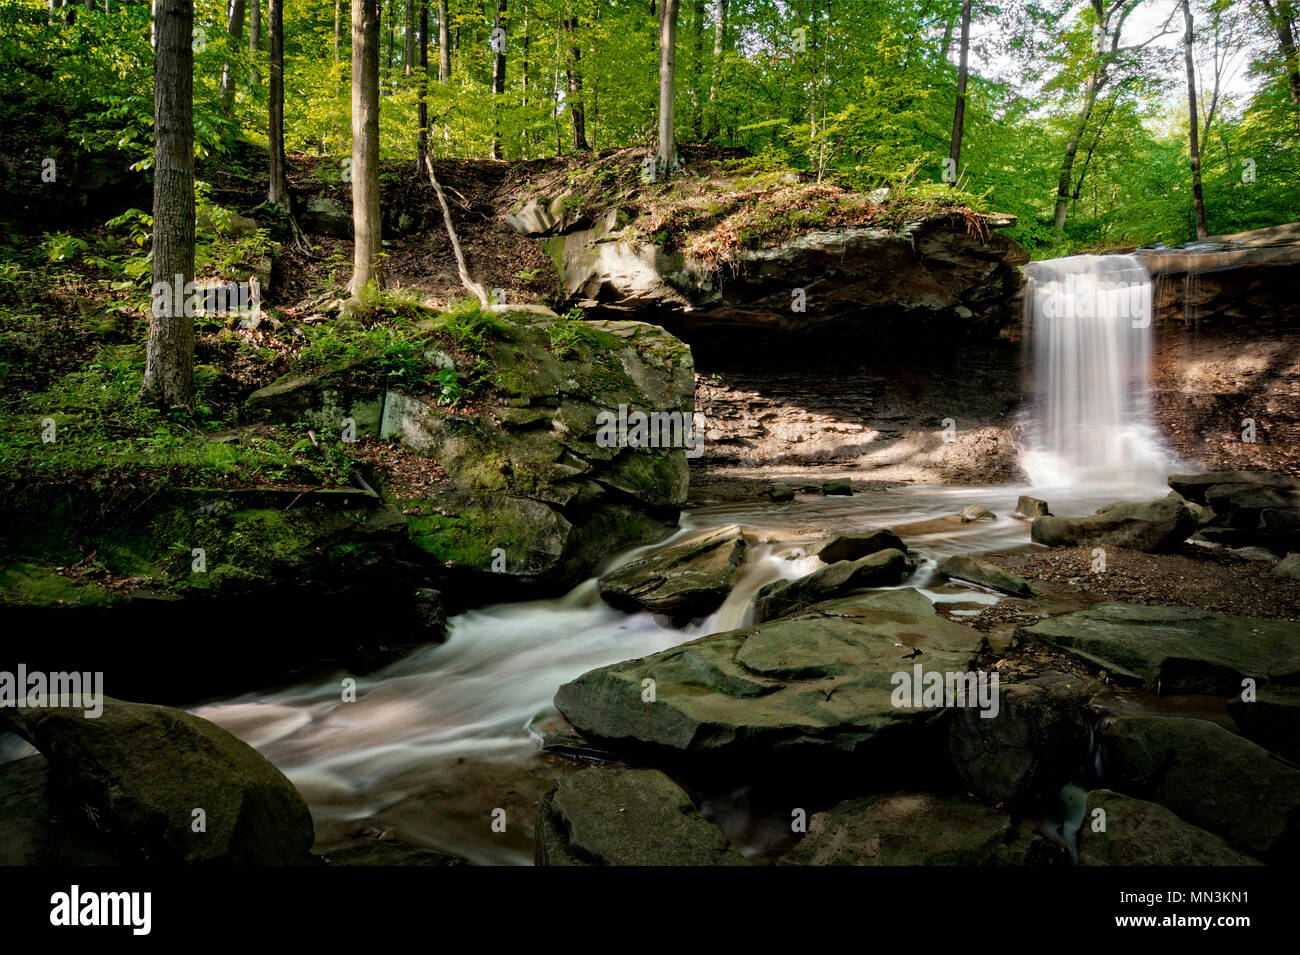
x=447 y=726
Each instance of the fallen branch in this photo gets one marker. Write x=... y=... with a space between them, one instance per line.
x=474 y=287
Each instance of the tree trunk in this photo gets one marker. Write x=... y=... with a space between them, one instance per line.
x=1280 y=19
x=338 y=28
x=573 y=77
x=279 y=191
x=366 y=223
x=959 y=114
x=408 y=51
x=697 y=71
x=1096 y=79
x=169 y=359
x=255 y=26
x=498 y=81
x=1193 y=140
x=388 y=62
x=444 y=44
x=422 y=110
x=667 y=68
x=719 y=43
x=237 y=35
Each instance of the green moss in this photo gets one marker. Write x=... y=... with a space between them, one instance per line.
x=28 y=584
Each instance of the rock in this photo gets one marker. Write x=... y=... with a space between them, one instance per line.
x=1034 y=744
x=141 y=771
x=910 y=829
x=34 y=831
x=1272 y=719
x=688 y=580
x=781 y=598
x=1175 y=649
x=839 y=486
x=979 y=571
x=1141 y=833
x=1204 y=515
x=812 y=688
x=430 y=616
x=1210 y=777
x=976 y=512
x=856 y=546
x=556 y=735
x=781 y=492
x=1032 y=507
x=1157 y=525
x=326 y=215
x=388 y=853
x=1289 y=566
x=1248 y=507
x=627 y=817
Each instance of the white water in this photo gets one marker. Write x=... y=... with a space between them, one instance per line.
x=1088 y=321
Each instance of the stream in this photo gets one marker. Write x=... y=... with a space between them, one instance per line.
x=437 y=739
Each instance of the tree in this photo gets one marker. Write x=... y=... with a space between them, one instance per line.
x=408 y=51
x=422 y=110
x=1281 y=19
x=169 y=357
x=444 y=44
x=573 y=83
x=667 y=69
x=498 y=75
x=279 y=185
x=1198 y=199
x=959 y=113
x=255 y=34
x=366 y=224
x=237 y=36
x=719 y=41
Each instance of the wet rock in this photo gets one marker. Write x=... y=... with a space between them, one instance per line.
x=1210 y=777
x=627 y=817
x=430 y=615
x=856 y=546
x=1034 y=744
x=781 y=492
x=387 y=852
x=1249 y=507
x=811 y=688
x=781 y=598
x=976 y=512
x=557 y=735
x=911 y=829
x=141 y=771
x=839 y=486
x=34 y=830
x=1175 y=649
x=986 y=574
x=685 y=581
x=1289 y=566
x=1144 y=833
x=1032 y=507
x=1272 y=719
x=1157 y=525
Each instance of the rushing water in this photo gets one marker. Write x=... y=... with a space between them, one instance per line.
x=416 y=722
x=1088 y=322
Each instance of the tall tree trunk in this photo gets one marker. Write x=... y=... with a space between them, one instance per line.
x=697 y=70
x=667 y=69
x=1193 y=140
x=237 y=36
x=947 y=37
x=719 y=43
x=254 y=26
x=408 y=52
x=1280 y=18
x=498 y=80
x=1096 y=80
x=366 y=223
x=279 y=192
x=959 y=114
x=523 y=89
x=422 y=110
x=169 y=359
x=444 y=44
x=573 y=78
x=338 y=28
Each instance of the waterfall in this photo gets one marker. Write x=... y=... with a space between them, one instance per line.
x=1088 y=321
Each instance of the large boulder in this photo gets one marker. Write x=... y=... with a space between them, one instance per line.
x=1036 y=741
x=1134 y=832
x=976 y=570
x=1175 y=649
x=627 y=817
x=167 y=787
x=855 y=546
x=910 y=829
x=1250 y=507
x=1158 y=525
x=1210 y=777
x=688 y=580
x=882 y=569
x=1270 y=716
x=814 y=689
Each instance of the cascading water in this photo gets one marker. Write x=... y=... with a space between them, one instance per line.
x=1088 y=319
